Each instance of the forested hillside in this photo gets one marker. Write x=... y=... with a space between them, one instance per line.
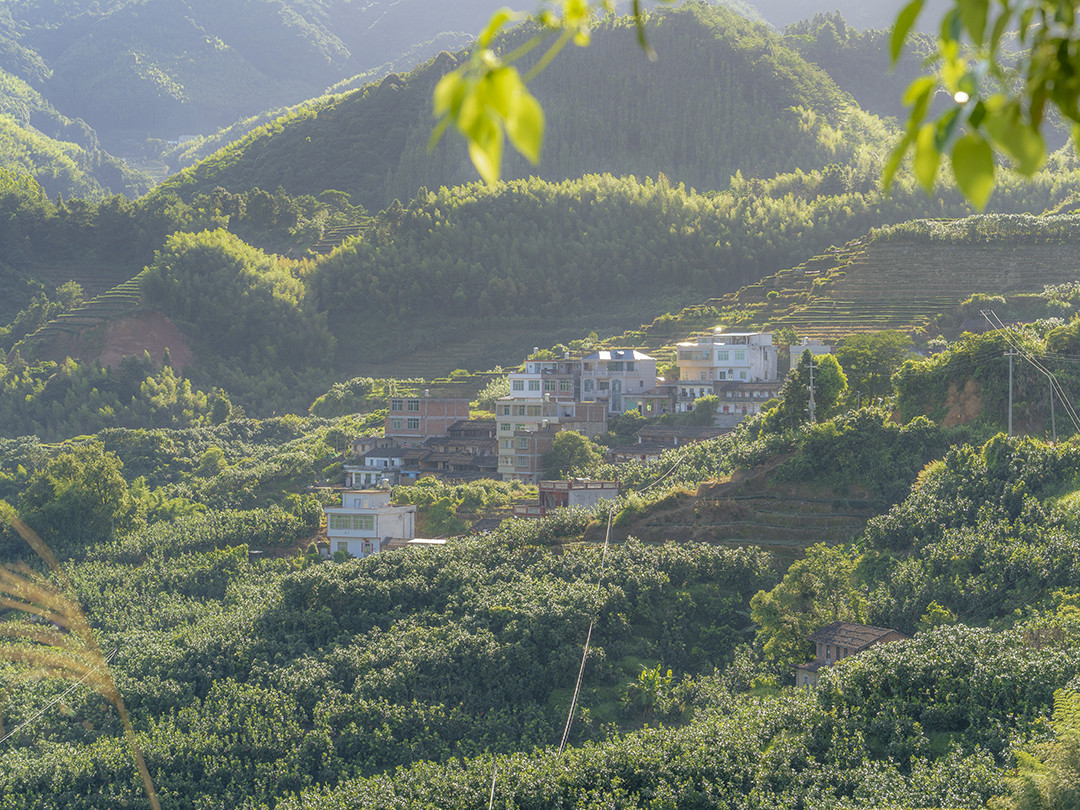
x=725 y=95
x=60 y=153
x=295 y=683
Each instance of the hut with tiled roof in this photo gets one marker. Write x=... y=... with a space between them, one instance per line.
x=837 y=641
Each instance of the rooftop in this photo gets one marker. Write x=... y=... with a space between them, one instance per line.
x=853 y=636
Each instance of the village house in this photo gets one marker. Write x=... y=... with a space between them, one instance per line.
x=377 y=468
x=580 y=492
x=609 y=375
x=652 y=401
x=738 y=400
x=411 y=420
x=526 y=431
x=366 y=522
x=738 y=357
x=837 y=641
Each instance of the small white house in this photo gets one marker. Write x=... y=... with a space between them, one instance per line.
x=365 y=523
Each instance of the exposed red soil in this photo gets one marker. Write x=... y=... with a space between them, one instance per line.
x=145 y=331
x=962 y=406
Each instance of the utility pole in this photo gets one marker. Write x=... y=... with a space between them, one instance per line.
x=813 y=407
x=1012 y=353
x=1053 y=422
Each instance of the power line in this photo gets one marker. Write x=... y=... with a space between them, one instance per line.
x=1055 y=386
x=59 y=697
x=588 y=640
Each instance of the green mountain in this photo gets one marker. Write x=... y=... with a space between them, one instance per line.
x=63 y=155
x=725 y=96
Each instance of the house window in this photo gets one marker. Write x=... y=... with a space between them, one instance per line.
x=506 y=444
x=722 y=356
x=505 y=410
x=588 y=386
x=396 y=405
x=352 y=522
x=629 y=365
x=603 y=385
x=740 y=355
x=518 y=385
x=615 y=365
x=533 y=410
x=395 y=424
x=742 y=375
x=504 y=427
x=369 y=548
x=522 y=461
x=523 y=444
x=519 y=427
x=534 y=385
x=565 y=386
x=506 y=461
x=549 y=385
x=413 y=405
x=413 y=423
x=343 y=546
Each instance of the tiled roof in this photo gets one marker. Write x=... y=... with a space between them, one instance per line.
x=853 y=636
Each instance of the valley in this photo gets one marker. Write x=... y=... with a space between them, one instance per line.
x=816 y=410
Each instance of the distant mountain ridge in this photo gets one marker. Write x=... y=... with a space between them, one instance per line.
x=725 y=96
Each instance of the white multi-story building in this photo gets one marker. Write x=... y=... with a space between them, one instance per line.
x=740 y=357
x=556 y=378
x=366 y=522
x=609 y=375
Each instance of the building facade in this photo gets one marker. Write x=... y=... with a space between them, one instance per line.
x=611 y=375
x=731 y=357
x=366 y=522
x=580 y=492
x=414 y=419
x=526 y=431
x=837 y=641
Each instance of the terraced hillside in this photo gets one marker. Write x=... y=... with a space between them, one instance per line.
x=110 y=305
x=909 y=276
x=752 y=509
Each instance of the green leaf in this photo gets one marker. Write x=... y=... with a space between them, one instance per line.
x=919 y=89
x=501 y=88
x=497 y=21
x=927 y=156
x=1022 y=142
x=973 y=167
x=973 y=14
x=485 y=152
x=448 y=93
x=904 y=21
x=999 y=29
x=946 y=126
x=525 y=126
x=919 y=95
x=895 y=159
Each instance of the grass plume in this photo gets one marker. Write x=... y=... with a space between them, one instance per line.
x=52 y=638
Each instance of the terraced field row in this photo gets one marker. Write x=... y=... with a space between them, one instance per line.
x=114 y=303
x=94 y=279
x=900 y=283
x=333 y=238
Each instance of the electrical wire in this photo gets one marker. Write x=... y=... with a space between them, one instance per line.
x=1055 y=386
x=60 y=697
x=588 y=640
